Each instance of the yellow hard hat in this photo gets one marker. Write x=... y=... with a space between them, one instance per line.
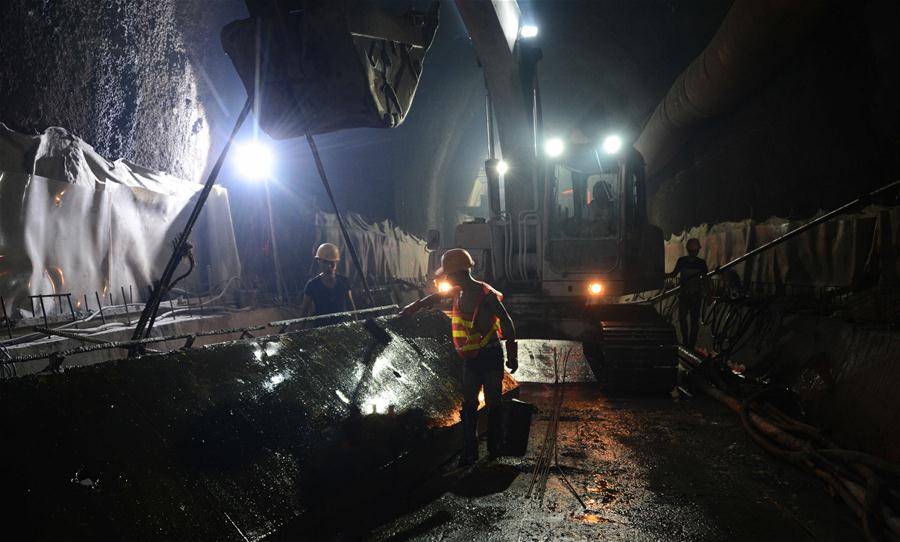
x=455 y=259
x=328 y=252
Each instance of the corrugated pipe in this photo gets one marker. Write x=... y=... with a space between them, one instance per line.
x=754 y=39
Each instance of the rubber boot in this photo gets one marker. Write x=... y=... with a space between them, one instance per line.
x=470 y=438
x=495 y=430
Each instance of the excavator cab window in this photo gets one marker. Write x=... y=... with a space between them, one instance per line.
x=585 y=206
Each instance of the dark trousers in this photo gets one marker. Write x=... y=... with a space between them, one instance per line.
x=486 y=371
x=689 y=308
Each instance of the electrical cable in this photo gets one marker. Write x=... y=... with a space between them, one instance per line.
x=868 y=485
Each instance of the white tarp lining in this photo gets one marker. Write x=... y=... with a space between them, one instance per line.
x=843 y=252
x=386 y=252
x=71 y=221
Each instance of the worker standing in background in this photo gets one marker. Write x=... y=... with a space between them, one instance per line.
x=478 y=322
x=690 y=296
x=327 y=292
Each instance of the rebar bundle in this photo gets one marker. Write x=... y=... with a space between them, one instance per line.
x=548 y=455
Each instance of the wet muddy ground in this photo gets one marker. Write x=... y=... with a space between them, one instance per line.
x=647 y=469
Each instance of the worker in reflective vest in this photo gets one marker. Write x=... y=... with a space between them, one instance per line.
x=478 y=321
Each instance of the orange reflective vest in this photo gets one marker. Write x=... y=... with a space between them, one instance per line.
x=467 y=339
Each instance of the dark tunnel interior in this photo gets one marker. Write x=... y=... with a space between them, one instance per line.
x=450 y=269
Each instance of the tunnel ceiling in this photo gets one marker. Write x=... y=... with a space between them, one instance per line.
x=148 y=81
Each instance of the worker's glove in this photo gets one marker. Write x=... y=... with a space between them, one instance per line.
x=512 y=356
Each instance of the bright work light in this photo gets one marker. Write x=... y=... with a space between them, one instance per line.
x=612 y=144
x=502 y=167
x=444 y=287
x=595 y=288
x=253 y=160
x=528 y=31
x=554 y=147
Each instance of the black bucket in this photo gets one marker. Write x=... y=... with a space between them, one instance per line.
x=516 y=427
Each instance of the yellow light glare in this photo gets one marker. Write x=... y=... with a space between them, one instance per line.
x=528 y=31
x=444 y=287
x=595 y=288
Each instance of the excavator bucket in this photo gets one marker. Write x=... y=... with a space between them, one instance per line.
x=326 y=65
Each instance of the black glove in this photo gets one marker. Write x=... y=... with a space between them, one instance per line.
x=512 y=356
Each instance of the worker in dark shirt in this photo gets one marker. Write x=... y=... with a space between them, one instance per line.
x=690 y=296
x=327 y=292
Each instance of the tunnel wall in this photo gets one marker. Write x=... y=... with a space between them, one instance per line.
x=821 y=130
x=849 y=252
x=828 y=300
x=843 y=373
x=128 y=76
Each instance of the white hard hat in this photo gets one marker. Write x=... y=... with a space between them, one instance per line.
x=328 y=252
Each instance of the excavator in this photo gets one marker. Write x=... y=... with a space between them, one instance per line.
x=562 y=239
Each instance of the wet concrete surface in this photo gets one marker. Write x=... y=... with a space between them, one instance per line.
x=647 y=468
x=243 y=440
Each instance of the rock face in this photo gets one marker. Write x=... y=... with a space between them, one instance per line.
x=119 y=73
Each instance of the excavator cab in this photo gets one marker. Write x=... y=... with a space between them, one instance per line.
x=596 y=230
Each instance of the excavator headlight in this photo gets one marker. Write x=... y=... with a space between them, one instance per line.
x=595 y=288
x=443 y=286
x=554 y=147
x=612 y=144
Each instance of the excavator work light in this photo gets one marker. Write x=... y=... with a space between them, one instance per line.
x=595 y=288
x=444 y=287
x=253 y=160
x=554 y=147
x=502 y=167
x=612 y=144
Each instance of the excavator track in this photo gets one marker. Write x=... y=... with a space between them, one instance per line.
x=635 y=356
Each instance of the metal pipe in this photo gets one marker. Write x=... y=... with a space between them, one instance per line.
x=148 y=316
x=132 y=343
x=6 y=317
x=100 y=307
x=281 y=323
x=125 y=302
x=43 y=310
x=276 y=261
x=325 y=183
x=489 y=113
x=754 y=40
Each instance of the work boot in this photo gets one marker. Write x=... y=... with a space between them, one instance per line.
x=495 y=431
x=470 y=438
